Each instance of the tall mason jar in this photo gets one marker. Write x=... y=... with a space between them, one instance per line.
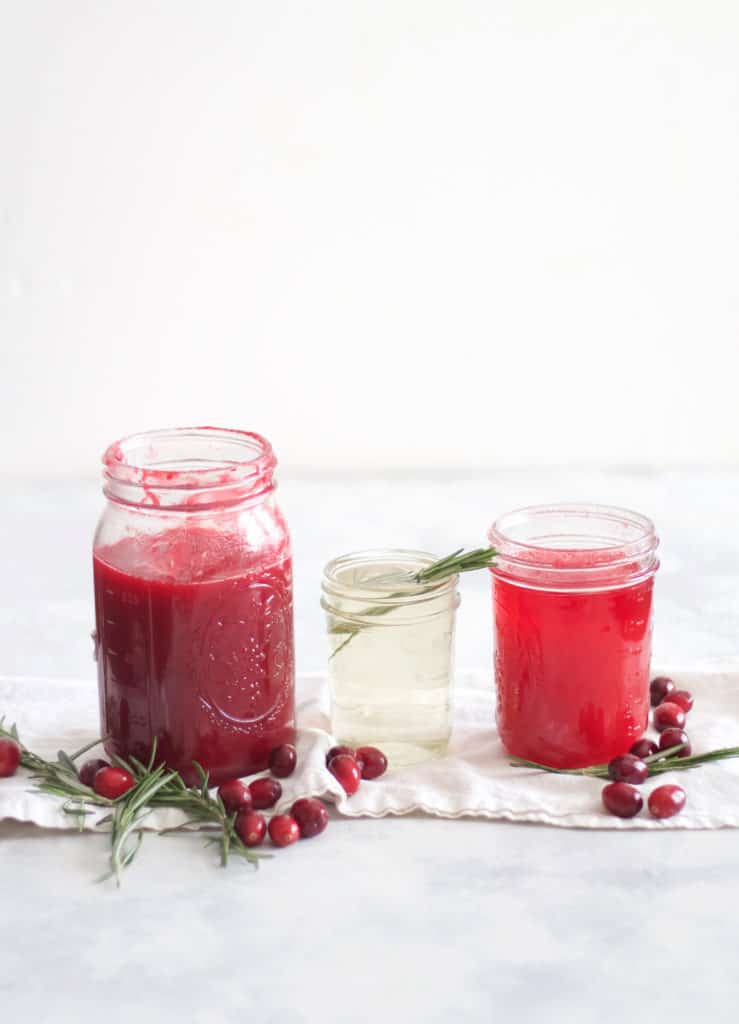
x=391 y=652
x=572 y=606
x=193 y=602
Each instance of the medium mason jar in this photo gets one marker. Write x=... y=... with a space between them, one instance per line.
x=193 y=602
x=391 y=653
x=572 y=603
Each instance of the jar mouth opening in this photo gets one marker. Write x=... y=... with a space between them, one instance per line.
x=383 y=576
x=574 y=545
x=187 y=457
x=188 y=466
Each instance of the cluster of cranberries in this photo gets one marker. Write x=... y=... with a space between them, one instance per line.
x=307 y=818
x=628 y=771
x=350 y=766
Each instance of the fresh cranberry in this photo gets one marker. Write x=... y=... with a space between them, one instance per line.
x=374 y=762
x=236 y=796
x=660 y=688
x=668 y=716
x=311 y=816
x=113 y=782
x=284 y=830
x=10 y=757
x=628 y=768
x=684 y=698
x=282 y=760
x=622 y=800
x=644 y=748
x=346 y=770
x=666 y=801
x=674 y=738
x=251 y=827
x=335 y=751
x=264 y=793
x=89 y=770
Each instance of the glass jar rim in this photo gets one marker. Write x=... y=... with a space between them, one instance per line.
x=194 y=467
x=570 y=560
x=387 y=589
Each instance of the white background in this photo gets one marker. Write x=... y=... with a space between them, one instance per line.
x=385 y=234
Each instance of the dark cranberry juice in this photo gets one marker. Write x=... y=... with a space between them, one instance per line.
x=572 y=670
x=195 y=649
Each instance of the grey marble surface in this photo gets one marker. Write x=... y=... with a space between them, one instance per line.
x=397 y=920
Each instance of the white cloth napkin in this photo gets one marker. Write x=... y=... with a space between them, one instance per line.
x=475 y=779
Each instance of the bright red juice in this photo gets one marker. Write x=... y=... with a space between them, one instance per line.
x=194 y=647
x=572 y=667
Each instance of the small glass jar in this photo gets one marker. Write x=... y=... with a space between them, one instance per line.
x=391 y=653
x=193 y=602
x=572 y=604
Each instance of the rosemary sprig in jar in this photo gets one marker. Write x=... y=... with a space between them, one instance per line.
x=457 y=562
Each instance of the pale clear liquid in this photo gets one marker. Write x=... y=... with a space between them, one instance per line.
x=391 y=686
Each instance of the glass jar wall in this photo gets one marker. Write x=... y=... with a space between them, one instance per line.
x=391 y=653
x=193 y=602
x=572 y=604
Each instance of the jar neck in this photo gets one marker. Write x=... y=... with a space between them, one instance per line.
x=574 y=547
x=365 y=584
x=189 y=469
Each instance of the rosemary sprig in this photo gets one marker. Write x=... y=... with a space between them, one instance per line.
x=58 y=778
x=154 y=787
x=458 y=561
x=662 y=761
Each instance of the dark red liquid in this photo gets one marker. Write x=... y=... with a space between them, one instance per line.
x=572 y=671
x=195 y=648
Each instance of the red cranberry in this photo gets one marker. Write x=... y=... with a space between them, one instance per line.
x=622 y=800
x=668 y=716
x=666 y=801
x=684 y=698
x=374 y=762
x=311 y=816
x=89 y=770
x=251 y=827
x=264 y=793
x=113 y=782
x=282 y=760
x=644 y=748
x=628 y=768
x=236 y=796
x=10 y=757
x=346 y=770
x=283 y=830
x=673 y=738
x=335 y=751
x=660 y=689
